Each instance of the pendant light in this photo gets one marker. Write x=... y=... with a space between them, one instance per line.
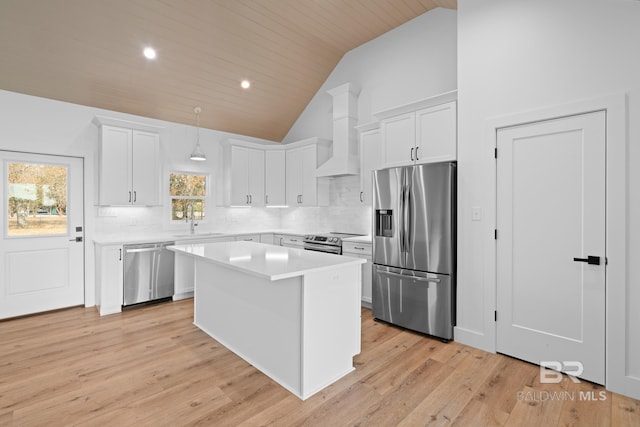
x=197 y=154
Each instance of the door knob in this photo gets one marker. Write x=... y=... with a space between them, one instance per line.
x=592 y=260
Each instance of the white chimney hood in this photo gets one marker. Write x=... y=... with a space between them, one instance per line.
x=345 y=159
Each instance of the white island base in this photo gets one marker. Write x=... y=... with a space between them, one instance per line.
x=293 y=314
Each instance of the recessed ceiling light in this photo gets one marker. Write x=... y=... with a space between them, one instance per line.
x=149 y=52
x=245 y=84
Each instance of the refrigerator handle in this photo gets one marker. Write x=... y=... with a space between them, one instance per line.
x=402 y=214
x=405 y=218
x=407 y=226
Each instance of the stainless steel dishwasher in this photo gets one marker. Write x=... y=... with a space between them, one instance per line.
x=148 y=272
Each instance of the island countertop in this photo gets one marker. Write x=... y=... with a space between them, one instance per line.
x=264 y=260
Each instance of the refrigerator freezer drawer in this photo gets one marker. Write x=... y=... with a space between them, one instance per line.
x=414 y=300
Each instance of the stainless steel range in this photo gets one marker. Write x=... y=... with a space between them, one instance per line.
x=329 y=242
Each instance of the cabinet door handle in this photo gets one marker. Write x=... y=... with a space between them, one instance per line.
x=129 y=196
x=412 y=154
x=417 y=154
x=135 y=196
x=120 y=259
x=266 y=199
x=281 y=241
x=250 y=199
x=361 y=194
x=591 y=260
x=358 y=248
x=247 y=197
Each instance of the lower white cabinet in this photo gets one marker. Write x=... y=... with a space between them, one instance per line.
x=109 y=278
x=248 y=238
x=362 y=250
x=184 y=271
x=267 y=238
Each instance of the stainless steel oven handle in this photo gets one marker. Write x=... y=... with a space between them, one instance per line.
x=403 y=276
x=322 y=248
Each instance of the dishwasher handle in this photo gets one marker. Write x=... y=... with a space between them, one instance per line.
x=134 y=251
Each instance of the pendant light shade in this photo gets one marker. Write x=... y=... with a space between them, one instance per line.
x=197 y=154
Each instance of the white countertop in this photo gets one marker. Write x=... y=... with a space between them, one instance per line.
x=173 y=236
x=266 y=261
x=358 y=239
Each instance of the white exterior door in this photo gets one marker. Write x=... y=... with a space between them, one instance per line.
x=41 y=241
x=550 y=217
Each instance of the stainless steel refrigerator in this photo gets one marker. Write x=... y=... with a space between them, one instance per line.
x=414 y=247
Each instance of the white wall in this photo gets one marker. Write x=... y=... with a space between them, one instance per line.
x=516 y=56
x=39 y=125
x=414 y=61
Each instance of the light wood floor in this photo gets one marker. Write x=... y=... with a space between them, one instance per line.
x=151 y=366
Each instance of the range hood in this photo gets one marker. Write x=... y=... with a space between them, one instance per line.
x=345 y=159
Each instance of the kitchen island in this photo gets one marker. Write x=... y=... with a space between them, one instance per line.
x=291 y=313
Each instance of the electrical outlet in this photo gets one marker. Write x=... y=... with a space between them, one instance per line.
x=476 y=213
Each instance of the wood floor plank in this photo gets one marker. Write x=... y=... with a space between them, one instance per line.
x=625 y=412
x=152 y=366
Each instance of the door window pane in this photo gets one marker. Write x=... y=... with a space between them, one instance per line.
x=36 y=199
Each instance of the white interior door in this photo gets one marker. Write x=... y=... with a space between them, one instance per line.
x=550 y=210
x=41 y=241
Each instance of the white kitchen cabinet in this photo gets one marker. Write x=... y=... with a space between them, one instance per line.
x=362 y=250
x=399 y=136
x=303 y=188
x=275 y=178
x=421 y=132
x=267 y=238
x=109 y=278
x=184 y=270
x=128 y=166
x=436 y=133
x=247 y=176
x=370 y=160
x=248 y=238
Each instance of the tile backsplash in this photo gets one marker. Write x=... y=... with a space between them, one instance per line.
x=345 y=214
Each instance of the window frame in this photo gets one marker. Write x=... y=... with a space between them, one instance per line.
x=205 y=198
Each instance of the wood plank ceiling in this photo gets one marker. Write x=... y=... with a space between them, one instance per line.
x=89 y=52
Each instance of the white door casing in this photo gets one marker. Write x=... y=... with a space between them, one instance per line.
x=42 y=272
x=550 y=210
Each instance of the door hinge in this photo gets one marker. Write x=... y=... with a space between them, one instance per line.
x=495 y=234
x=495 y=152
x=495 y=316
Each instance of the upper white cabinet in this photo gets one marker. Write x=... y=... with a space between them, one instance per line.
x=370 y=159
x=436 y=133
x=303 y=188
x=399 y=135
x=273 y=175
x=275 y=178
x=247 y=176
x=423 y=132
x=128 y=164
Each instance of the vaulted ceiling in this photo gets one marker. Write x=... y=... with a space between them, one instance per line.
x=89 y=52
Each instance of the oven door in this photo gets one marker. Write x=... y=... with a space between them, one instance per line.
x=319 y=247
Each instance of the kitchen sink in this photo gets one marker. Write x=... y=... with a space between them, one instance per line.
x=198 y=235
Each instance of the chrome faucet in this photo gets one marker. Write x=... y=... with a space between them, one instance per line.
x=193 y=224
